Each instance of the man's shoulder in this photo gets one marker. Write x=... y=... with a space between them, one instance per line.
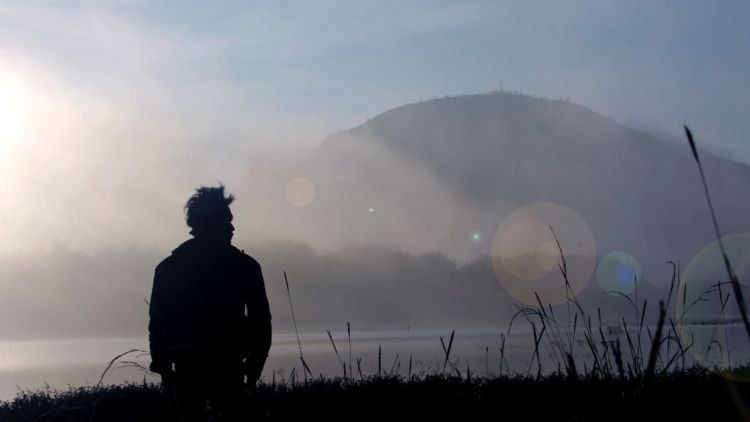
x=166 y=262
x=177 y=258
x=166 y=265
x=247 y=260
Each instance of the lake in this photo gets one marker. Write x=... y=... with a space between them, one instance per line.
x=80 y=362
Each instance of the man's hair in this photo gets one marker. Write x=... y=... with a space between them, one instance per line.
x=207 y=202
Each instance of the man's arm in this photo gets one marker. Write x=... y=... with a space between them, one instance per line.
x=259 y=322
x=160 y=333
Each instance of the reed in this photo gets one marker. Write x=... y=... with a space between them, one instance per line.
x=656 y=343
x=112 y=362
x=447 y=350
x=336 y=351
x=380 y=360
x=394 y=368
x=349 y=337
x=738 y=295
x=306 y=369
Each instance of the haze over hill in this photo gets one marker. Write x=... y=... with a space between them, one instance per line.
x=404 y=220
x=438 y=171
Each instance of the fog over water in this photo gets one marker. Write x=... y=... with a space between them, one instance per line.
x=432 y=213
x=36 y=364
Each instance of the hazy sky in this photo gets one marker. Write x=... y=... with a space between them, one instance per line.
x=112 y=113
x=334 y=63
x=107 y=96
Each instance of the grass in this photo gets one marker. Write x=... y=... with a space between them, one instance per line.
x=684 y=394
x=733 y=279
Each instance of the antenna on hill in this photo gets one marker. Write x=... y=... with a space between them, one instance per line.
x=500 y=84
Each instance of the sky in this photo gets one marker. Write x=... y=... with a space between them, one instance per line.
x=108 y=97
x=113 y=112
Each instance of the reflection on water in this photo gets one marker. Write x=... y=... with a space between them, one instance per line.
x=59 y=363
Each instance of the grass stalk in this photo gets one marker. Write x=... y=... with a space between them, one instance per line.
x=447 y=350
x=341 y=361
x=728 y=265
x=306 y=369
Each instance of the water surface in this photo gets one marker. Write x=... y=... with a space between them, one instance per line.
x=62 y=363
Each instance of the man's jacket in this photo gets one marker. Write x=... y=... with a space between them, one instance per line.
x=208 y=302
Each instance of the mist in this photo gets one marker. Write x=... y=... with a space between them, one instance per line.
x=343 y=178
x=393 y=224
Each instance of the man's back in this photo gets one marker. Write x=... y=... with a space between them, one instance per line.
x=208 y=300
x=210 y=323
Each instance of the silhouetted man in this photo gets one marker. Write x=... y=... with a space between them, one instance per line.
x=210 y=324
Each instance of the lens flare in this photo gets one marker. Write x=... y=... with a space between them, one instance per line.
x=706 y=311
x=300 y=192
x=547 y=256
x=618 y=272
x=526 y=258
x=476 y=236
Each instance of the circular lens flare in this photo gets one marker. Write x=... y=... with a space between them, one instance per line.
x=547 y=256
x=706 y=311
x=618 y=272
x=526 y=258
x=300 y=192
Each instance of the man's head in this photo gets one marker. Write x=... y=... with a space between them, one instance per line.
x=208 y=215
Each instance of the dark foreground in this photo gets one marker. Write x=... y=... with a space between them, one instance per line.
x=686 y=395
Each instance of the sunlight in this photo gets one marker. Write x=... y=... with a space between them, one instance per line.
x=14 y=108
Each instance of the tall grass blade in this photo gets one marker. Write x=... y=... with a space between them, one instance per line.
x=112 y=362
x=571 y=366
x=447 y=350
x=656 y=343
x=487 y=360
x=395 y=361
x=294 y=320
x=349 y=335
x=380 y=360
x=730 y=271
x=341 y=361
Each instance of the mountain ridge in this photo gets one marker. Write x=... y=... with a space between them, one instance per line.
x=489 y=154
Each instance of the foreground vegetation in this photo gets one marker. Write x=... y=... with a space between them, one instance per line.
x=687 y=394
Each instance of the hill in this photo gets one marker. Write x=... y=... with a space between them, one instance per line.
x=442 y=175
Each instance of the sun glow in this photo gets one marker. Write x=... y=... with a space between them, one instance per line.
x=15 y=103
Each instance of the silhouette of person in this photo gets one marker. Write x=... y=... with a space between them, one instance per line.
x=210 y=323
